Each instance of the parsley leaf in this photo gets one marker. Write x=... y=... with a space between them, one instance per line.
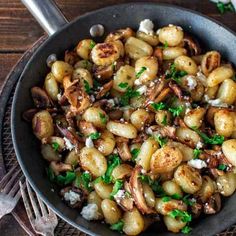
x=65 y=179
x=123 y=85
x=196 y=153
x=186 y=229
x=176 y=196
x=164 y=121
x=187 y=201
x=141 y=71
x=135 y=153
x=95 y=135
x=86 y=86
x=96 y=84
x=160 y=140
x=166 y=45
x=222 y=8
x=55 y=146
x=176 y=111
x=83 y=181
x=222 y=167
x=92 y=44
x=130 y=93
x=103 y=118
x=215 y=139
x=158 y=106
x=50 y=174
x=174 y=74
x=117 y=186
x=118 y=226
x=113 y=161
x=166 y=199
x=184 y=216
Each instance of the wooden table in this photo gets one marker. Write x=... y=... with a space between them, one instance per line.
x=18 y=31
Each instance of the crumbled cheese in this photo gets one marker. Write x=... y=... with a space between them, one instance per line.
x=199 y=145
x=197 y=163
x=170 y=25
x=115 y=151
x=137 y=82
x=179 y=28
x=146 y=26
x=122 y=119
x=142 y=90
x=187 y=110
x=58 y=96
x=99 y=76
x=68 y=144
x=149 y=131
x=116 y=100
x=152 y=84
x=191 y=82
x=158 y=31
x=111 y=102
x=120 y=194
x=90 y=212
x=72 y=197
x=92 y=98
x=89 y=142
x=217 y=103
x=201 y=77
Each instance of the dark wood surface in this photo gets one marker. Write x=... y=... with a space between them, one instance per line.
x=18 y=31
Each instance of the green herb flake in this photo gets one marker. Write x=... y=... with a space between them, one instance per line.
x=123 y=85
x=92 y=44
x=68 y=178
x=84 y=181
x=117 y=186
x=196 y=153
x=95 y=135
x=176 y=196
x=166 y=45
x=118 y=226
x=112 y=163
x=103 y=118
x=135 y=152
x=222 y=7
x=176 y=111
x=187 y=201
x=129 y=93
x=222 y=167
x=113 y=65
x=214 y=140
x=166 y=199
x=164 y=121
x=141 y=71
x=50 y=174
x=186 y=229
x=184 y=216
x=175 y=74
x=55 y=146
x=128 y=194
x=86 y=86
x=160 y=140
x=96 y=84
x=158 y=106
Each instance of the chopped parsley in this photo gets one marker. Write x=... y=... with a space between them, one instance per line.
x=96 y=84
x=135 y=152
x=196 y=153
x=186 y=229
x=141 y=71
x=166 y=199
x=222 y=7
x=50 y=174
x=103 y=118
x=184 y=216
x=118 y=226
x=176 y=111
x=130 y=93
x=84 y=181
x=92 y=44
x=95 y=135
x=175 y=74
x=158 y=106
x=176 y=196
x=160 y=140
x=64 y=179
x=113 y=66
x=123 y=85
x=164 y=121
x=214 y=140
x=55 y=146
x=86 y=86
x=165 y=45
x=187 y=201
x=117 y=186
x=222 y=167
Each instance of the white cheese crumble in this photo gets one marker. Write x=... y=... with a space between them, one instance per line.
x=149 y=131
x=90 y=212
x=58 y=96
x=142 y=90
x=191 y=82
x=217 y=103
x=120 y=194
x=201 y=77
x=92 y=98
x=199 y=145
x=146 y=26
x=89 y=142
x=197 y=163
x=111 y=102
x=137 y=82
x=72 y=197
x=68 y=144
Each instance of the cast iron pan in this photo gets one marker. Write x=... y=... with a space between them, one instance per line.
x=212 y=35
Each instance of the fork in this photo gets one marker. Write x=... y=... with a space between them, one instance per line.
x=41 y=217
x=10 y=191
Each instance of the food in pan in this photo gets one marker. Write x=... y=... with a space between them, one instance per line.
x=140 y=128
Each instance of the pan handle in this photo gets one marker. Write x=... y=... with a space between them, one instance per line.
x=47 y=14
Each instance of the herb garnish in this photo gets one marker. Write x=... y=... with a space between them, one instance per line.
x=135 y=153
x=83 y=181
x=176 y=111
x=196 y=153
x=176 y=196
x=160 y=140
x=118 y=226
x=158 y=106
x=55 y=146
x=86 y=86
x=141 y=71
x=224 y=7
x=184 y=216
x=187 y=201
x=222 y=167
x=130 y=93
x=95 y=135
x=103 y=118
x=123 y=85
x=166 y=45
x=117 y=186
x=186 y=229
x=164 y=121
x=92 y=44
x=175 y=74
x=166 y=199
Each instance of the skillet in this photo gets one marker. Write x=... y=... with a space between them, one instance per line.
x=64 y=36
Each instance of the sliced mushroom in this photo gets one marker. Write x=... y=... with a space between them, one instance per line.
x=163 y=95
x=104 y=89
x=164 y=131
x=74 y=197
x=49 y=153
x=58 y=141
x=123 y=148
x=40 y=98
x=29 y=114
x=196 y=209
x=211 y=60
x=191 y=45
x=103 y=73
x=142 y=136
x=115 y=114
x=71 y=57
x=153 y=91
x=86 y=128
x=59 y=167
x=120 y=34
x=213 y=205
x=158 y=53
x=177 y=90
x=137 y=191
